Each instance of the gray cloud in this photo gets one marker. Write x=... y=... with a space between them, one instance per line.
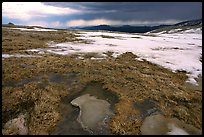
x=135 y=13
x=142 y=11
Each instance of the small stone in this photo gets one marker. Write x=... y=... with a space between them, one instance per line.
x=19 y=124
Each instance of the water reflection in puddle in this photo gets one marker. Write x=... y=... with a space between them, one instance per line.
x=69 y=125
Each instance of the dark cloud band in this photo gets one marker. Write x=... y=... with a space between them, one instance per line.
x=143 y=11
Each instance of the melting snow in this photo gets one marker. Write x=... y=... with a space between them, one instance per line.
x=171 y=51
x=174 y=30
x=35 y=29
x=17 y=56
x=93 y=58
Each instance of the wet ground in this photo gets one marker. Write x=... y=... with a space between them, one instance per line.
x=141 y=86
x=69 y=125
x=43 y=80
x=146 y=108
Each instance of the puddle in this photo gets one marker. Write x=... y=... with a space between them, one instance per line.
x=69 y=124
x=63 y=78
x=15 y=83
x=94 y=113
x=59 y=78
x=68 y=79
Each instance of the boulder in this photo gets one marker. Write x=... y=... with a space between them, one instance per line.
x=154 y=125
x=159 y=125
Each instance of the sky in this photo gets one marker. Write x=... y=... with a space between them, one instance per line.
x=73 y=14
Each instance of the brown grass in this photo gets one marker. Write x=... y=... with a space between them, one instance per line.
x=132 y=80
x=15 y=41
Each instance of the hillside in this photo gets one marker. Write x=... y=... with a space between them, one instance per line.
x=182 y=26
x=131 y=77
x=143 y=29
x=124 y=28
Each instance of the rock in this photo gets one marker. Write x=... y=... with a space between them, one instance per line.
x=154 y=125
x=19 y=124
x=188 y=128
x=159 y=125
x=175 y=130
x=93 y=112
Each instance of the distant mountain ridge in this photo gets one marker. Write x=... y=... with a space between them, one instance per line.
x=190 y=23
x=140 y=29
x=182 y=26
x=124 y=28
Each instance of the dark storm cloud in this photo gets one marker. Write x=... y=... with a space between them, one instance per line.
x=60 y=14
x=142 y=11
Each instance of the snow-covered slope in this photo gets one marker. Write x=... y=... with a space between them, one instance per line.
x=179 y=27
x=177 y=51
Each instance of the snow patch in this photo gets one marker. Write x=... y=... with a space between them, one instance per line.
x=192 y=81
x=198 y=31
x=80 y=57
x=34 y=29
x=139 y=59
x=17 y=56
x=174 y=30
x=171 y=51
x=93 y=58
